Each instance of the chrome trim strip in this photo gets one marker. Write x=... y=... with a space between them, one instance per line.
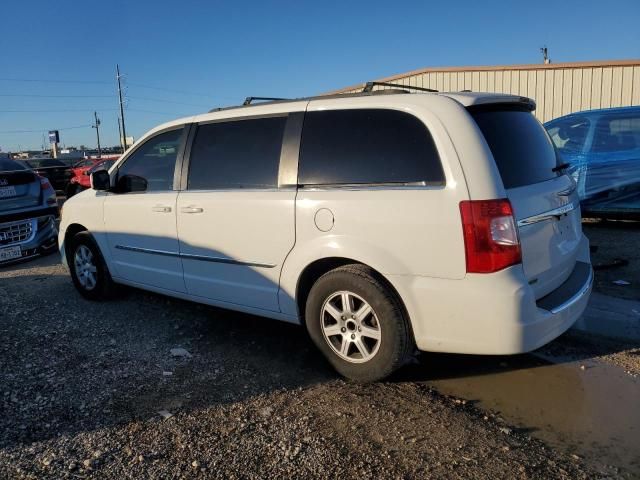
x=189 y=256
x=583 y=291
x=372 y=186
x=551 y=214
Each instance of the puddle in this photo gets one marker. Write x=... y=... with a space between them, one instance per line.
x=592 y=412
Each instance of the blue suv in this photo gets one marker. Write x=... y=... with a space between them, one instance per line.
x=603 y=150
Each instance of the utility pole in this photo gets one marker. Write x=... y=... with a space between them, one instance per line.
x=120 y=135
x=97 y=127
x=124 y=132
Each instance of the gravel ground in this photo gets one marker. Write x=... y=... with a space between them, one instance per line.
x=615 y=240
x=85 y=389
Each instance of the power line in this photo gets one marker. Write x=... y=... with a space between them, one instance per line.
x=181 y=92
x=52 y=96
x=66 y=110
x=5 y=79
x=44 y=129
x=150 y=99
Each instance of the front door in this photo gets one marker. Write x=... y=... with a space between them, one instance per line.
x=140 y=215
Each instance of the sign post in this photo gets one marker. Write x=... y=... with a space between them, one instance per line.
x=54 y=140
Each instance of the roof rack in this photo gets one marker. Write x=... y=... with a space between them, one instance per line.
x=369 y=87
x=248 y=100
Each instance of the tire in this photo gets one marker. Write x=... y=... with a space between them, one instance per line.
x=383 y=334
x=88 y=269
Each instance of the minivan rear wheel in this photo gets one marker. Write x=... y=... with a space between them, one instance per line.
x=88 y=269
x=358 y=323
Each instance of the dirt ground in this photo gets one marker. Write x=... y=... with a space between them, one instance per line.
x=85 y=389
x=91 y=390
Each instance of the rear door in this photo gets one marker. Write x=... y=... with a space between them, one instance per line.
x=235 y=218
x=544 y=200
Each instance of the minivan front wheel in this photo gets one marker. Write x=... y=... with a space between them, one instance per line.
x=358 y=323
x=88 y=269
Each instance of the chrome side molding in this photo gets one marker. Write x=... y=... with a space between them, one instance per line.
x=204 y=258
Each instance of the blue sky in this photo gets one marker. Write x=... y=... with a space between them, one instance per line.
x=203 y=54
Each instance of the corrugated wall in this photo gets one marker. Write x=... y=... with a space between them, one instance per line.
x=558 y=89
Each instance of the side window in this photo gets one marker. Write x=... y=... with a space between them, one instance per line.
x=569 y=134
x=154 y=161
x=236 y=154
x=365 y=147
x=615 y=133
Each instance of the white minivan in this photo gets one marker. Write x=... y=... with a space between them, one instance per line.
x=384 y=222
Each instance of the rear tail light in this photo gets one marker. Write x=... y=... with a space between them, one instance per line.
x=490 y=235
x=48 y=191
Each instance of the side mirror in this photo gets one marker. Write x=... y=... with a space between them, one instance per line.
x=100 y=180
x=131 y=183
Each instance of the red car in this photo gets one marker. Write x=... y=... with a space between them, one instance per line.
x=82 y=171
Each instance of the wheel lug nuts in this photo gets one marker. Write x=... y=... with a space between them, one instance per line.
x=343 y=329
x=353 y=336
x=359 y=329
x=353 y=316
x=343 y=317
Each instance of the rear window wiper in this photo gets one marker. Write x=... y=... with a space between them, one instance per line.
x=562 y=166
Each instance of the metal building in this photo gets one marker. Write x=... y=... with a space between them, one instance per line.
x=558 y=88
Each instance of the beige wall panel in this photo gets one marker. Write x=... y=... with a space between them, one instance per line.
x=531 y=84
x=567 y=84
x=499 y=82
x=585 y=102
x=475 y=81
x=576 y=90
x=596 y=88
x=483 y=82
x=616 y=87
x=540 y=94
x=605 y=99
x=447 y=82
x=635 y=88
x=557 y=93
x=467 y=81
x=491 y=82
x=522 y=85
x=440 y=81
x=548 y=94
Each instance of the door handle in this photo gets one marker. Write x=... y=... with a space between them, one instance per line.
x=192 y=209
x=161 y=209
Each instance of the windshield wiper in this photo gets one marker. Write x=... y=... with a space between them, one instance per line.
x=562 y=166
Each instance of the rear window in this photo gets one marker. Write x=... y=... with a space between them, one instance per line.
x=7 y=165
x=45 y=163
x=367 y=147
x=523 y=151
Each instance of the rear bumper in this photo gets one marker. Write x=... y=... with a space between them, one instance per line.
x=492 y=314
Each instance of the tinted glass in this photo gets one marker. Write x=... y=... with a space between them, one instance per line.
x=569 y=135
x=367 y=146
x=523 y=151
x=104 y=165
x=615 y=133
x=7 y=165
x=155 y=161
x=240 y=154
x=45 y=163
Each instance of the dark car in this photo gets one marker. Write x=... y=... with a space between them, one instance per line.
x=602 y=148
x=56 y=171
x=28 y=212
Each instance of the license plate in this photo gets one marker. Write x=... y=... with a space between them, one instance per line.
x=10 y=253
x=6 y=192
